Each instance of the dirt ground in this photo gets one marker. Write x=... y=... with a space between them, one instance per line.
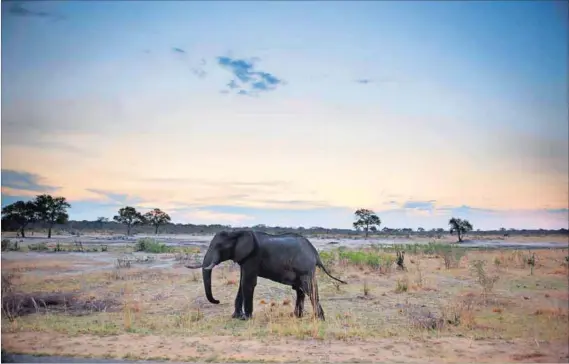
x=482 y=306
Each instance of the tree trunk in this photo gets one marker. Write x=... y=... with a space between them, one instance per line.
x=156 y=229
x=49 y=230
x=128 y=230
x=22 y=232
x=459 y=236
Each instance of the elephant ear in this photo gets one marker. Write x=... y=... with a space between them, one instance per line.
x=245 y=245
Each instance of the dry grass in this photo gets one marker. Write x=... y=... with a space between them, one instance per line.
x=376 y=304
x=51 y=265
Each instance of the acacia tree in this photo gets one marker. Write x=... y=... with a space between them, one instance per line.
x=366 y=219
x=157 y=218
x=52 y=210
x=101 y=220
x=461 y=227
x=20 y=214
x=130 y=217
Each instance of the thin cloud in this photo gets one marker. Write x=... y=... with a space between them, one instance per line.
x=248 y=80
x=118 y=198
x=419 y=205
x=205 y=216
x=18 y=10
x=232 y=85
x=205 y=181
x=25 y=181
x=557 y=211
x=197 y=70
x=364 y=81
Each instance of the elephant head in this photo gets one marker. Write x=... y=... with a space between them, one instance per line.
x=235 y=245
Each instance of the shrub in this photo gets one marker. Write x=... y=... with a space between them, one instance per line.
x=148 y=245
x=38 y=247
x=400 y=258
x=452 y=256
x=8 y=245
x=531 y=262
x=402 y=285
x=366 y=288
x=487 y=282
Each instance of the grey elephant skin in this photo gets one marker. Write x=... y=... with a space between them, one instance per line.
x=288 y=258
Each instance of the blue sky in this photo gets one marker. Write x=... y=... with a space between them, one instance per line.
x=290 y=113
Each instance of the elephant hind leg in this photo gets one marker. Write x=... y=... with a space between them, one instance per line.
x=310 y=286
x=299 y=307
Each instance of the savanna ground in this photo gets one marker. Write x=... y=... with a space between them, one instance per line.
x=449 y=304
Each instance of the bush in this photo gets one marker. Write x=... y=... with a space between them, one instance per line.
x=8 y=245
x=402 y=285
x=148 y=245
x=486 y=281
x=38 y=247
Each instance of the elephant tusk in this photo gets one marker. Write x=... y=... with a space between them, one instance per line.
x=193 y=266
x=209 y=267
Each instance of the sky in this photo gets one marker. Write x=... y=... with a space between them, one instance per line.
x=290 y=113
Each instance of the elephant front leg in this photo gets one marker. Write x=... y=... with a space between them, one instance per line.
x=238 y=303
x=248 y=289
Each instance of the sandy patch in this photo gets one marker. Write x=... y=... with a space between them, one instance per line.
x=220 y=348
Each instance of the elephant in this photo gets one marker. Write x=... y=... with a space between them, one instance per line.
x=287 y=258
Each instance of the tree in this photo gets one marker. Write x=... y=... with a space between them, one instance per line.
x=52 y=210
x=420 y=230
x=461 y=227
x=130 y=217
x=101 y=220
x=156 y=218
x=20 y=214
x=366 y=219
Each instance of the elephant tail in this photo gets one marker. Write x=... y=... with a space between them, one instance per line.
x=319 y=264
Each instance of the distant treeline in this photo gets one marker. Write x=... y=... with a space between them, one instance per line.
x=82 y=227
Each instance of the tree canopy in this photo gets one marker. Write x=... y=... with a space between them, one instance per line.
x=460 y=226
x=156 y=218
x=130 y=217
x=365 y=220
x=52 y=210
x=20 y=213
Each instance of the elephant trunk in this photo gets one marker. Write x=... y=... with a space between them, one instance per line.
x=210 y=260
